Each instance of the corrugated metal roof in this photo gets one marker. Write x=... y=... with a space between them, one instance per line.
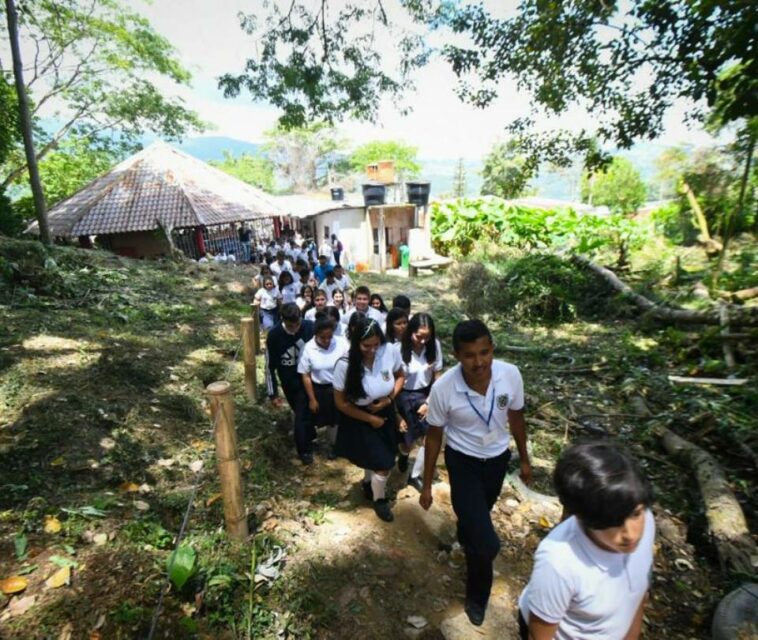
x=159 y=186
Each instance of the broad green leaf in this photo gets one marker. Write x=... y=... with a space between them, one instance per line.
x=180 y=565
x=19 y=543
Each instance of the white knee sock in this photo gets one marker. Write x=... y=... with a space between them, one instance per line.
x=378 y=485
x=331 y=434
x=367 y=475
x=418 y=465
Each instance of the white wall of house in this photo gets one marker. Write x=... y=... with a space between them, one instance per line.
x=349 y=224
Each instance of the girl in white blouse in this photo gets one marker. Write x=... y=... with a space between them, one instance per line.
x=366 y=382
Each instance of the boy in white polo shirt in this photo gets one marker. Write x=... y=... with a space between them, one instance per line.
x=592 y=572
x=479 y=404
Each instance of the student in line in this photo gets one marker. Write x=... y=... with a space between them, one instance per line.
x=592 y=572
x=280 y=264
x=397 y=322
x=264 y=271
x=283 y=346
x=478 y=404
x=401 y=301
x=305 y=299
x=377 y=303
x=421 y=354
x=362 y=298
x=366 y=382
x=341 y=278
x=319 y=304
x=329 y=285
x=322 y=268
x=316 y=366
x=339 y=328
x=268 y=297
x=287 y=287
x=338 y=301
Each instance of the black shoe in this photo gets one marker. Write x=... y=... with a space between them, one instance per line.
x=367 y=490
x=475 y=613
x=307 y=459
x=382 y=509
x=416 y=483
x=402 y=462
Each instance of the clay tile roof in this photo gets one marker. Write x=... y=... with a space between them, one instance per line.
x=159 y=186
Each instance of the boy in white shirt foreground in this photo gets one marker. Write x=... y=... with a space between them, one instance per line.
x=592 y=572
x=478 y=404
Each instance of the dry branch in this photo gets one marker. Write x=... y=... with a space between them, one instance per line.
x=738 y=316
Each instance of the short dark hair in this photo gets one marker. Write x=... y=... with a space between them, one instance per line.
x=280 y=254
x=323 y=322
x=362 y=291
x=600 y=484
x=402 y=302
x=290 y=312
x=469 y=331
x=332 y=312
x=322 y=256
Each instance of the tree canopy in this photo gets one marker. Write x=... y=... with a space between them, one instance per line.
x=91 y=74
x=506 y=171
x=258 y=172
x=404 y=156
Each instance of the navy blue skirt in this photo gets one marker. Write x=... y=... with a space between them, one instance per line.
x=365 y=446
x=327 y=411
x=408 y=403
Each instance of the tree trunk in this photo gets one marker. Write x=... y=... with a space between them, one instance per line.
x=726 y=522
x=40 y=208
x=738 y=316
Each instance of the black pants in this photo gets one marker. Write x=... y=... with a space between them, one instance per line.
x=523 y=628
x=305 y=432
x=475 y=485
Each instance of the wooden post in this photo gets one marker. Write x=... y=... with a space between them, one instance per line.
x=227 y=458
x=248 y=346
x=255 y=311
x=382 y=243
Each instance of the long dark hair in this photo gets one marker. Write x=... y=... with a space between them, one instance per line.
x=394 y=314
x=364 y=328
x=376 y=296
x=414 y=324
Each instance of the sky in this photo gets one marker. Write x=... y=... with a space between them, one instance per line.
x=210 y=42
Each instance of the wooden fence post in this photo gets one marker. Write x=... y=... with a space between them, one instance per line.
x=249 y=353
x=227 y=458
x=255 y=311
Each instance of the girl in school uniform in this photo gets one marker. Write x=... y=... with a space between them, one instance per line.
x=339 y=329
x=366 y=381
x=287 y=287
x=397 y=322
x=317 y=362
x=268 y=297
x=338 y=301
x=377 y=303
x=592 y=572
x=265 y=270
x=305 y=299
x=421 y=354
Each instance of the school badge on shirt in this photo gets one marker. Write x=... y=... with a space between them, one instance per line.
x=502 y=401
x=385 y=376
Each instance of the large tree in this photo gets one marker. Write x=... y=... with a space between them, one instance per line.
x=506 y=171
x=404 y=156
x=618 y=187
x=256 y=171
x=92 y=74
x=304 y=156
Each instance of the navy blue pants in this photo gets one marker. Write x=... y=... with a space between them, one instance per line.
x=305 y=432
x=475 y=485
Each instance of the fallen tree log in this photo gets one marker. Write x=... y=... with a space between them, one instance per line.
x=738 y=315
x=726 y=521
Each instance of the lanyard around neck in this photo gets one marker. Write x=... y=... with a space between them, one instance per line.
x=481 y=417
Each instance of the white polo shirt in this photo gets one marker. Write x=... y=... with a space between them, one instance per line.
x=343 y=282
x=370 y=312
x=320 y=362
x=311 y=314
x=277 y=268
x=267 y=298
x=590 y=592
x=329 y=289
x=465 y=414
x=418 y=372
x=289 y=293
x=378 y=381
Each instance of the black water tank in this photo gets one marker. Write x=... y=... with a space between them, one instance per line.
x=338 y=193
x=373 y=193
x=418 y=192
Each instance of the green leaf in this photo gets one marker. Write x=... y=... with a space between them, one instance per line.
x=30 y=568
x=60 y=561
x=19 y=543
x=180 y=565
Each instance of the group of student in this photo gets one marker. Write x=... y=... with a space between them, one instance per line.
x=374 y=378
